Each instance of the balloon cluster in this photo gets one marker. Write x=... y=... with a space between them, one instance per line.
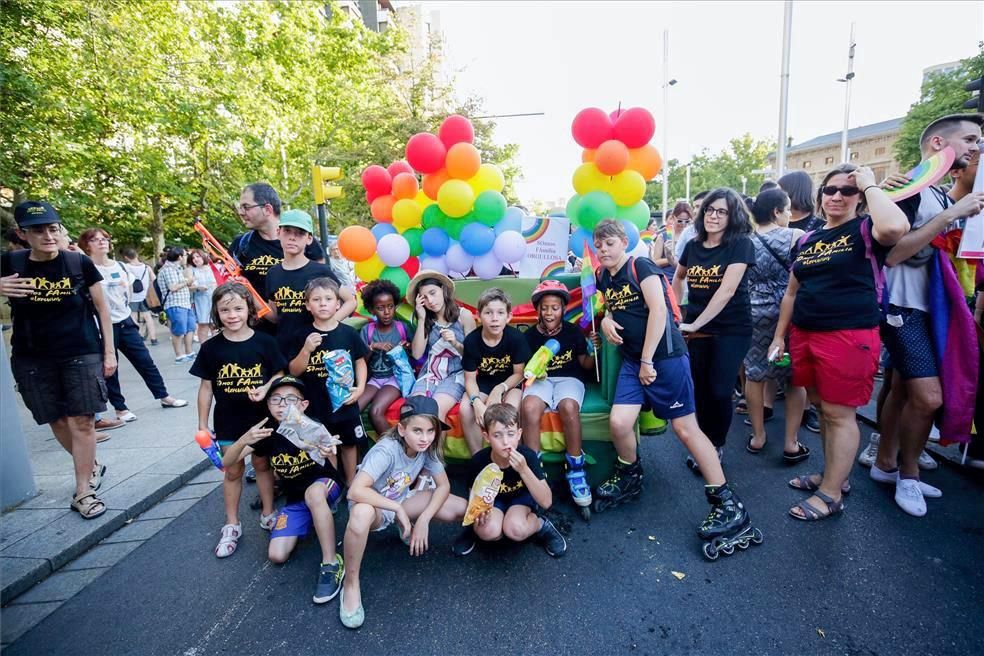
x=616 y=163
x=453 y=219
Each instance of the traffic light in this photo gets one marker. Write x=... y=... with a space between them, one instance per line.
x=975 y=102
x=321 y=178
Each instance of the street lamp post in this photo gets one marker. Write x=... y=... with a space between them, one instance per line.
x=847 y=79
x=667 y=83
x=787 y=30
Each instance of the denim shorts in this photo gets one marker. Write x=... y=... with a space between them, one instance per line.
x=181 y=320
x=53 y=388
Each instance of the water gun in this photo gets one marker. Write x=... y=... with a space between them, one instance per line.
x=777 y=360
x=341 y=377
x=483 y=493
x=233 y=270
x=537 y=366
x=211 y=449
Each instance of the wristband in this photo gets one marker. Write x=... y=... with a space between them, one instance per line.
x=865 y=190
x=648 y=362
x=474 y=398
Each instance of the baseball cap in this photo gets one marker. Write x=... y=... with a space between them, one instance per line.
x=421 y=406
x=35 y=212
x=284 y=381
x=297 y=219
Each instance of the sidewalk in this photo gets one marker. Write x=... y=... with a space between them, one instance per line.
x=146 y=460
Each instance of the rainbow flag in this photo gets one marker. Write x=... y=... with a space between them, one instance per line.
x=589 y=286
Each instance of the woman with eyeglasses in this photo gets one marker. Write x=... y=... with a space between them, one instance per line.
x=831 y=311
x=718 y=322
x=661 y=251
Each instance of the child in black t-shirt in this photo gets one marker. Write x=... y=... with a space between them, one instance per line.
x=561 y=390
x=311 y=489
x=522 y=492
x=236 y=366
x=493 y=360
x=309 y=345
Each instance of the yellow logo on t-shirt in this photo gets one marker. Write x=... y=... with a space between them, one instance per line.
x=236 y=379
x=491 y=366
x=316 y=364
x=288 y=301
x=288 y=465
x=558 y=361
x=701 y=277
x=619 y=299
x=262 y=263
x=822 y=251
x=51 y=291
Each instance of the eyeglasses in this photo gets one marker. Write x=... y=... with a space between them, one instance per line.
x=719 y=211
x=99 y=240
x=290 y=399
x=245 y=208
x=846 y=192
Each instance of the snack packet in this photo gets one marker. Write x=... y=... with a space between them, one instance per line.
x=483 y=493
x=341 y=376
x=306 y=433
x=402 y=370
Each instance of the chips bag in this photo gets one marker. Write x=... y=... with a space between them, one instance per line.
x=483 y=493
x=341 y=377
x=402 y=370
x=306 y=433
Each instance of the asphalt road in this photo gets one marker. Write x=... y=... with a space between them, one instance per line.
x=871 y=581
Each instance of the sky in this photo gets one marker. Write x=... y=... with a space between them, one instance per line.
x=560 y=57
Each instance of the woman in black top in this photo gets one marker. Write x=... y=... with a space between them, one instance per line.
x=718 y=325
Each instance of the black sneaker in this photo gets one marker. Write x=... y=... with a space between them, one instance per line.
x=330 y=579
x=464 y=544
x=810 y=420
x=551 y=539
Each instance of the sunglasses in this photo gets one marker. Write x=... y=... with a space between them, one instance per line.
x=846 y=192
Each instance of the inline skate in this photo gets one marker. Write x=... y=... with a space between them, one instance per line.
x=728 y=525
x=577 y=479
x=625 y=484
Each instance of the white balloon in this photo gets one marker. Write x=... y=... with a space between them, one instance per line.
x=487 y=266
x=458 y=259
x=393 y=250
x=510 y=247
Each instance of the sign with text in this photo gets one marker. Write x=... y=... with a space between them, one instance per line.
x=546 y=246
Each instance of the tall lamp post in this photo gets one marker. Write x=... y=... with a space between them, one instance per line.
x=667 y=83
x=847 y=79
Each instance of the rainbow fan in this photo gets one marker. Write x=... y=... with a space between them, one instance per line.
x=927 y=172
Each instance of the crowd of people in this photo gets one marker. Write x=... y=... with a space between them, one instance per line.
x=791 y=294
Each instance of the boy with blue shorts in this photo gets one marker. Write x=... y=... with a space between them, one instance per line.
x=655 y=371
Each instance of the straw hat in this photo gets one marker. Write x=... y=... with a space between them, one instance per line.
x=423 y=275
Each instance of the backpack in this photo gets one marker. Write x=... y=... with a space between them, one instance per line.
x=400 y=328
x=161 y=296
x=240 y=250
x=877 y=272
x=138 y=285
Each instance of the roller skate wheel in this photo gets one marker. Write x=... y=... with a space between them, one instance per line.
x=585 y=512
x=710 y=551
x=601 y=505
x=757 y=536
x=728 y=549
x=744 y=544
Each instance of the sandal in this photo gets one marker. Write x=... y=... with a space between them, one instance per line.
x=96 y=480
x=742 y=407
x=88 y=505
x=752 y=449
x=811 y=514
x=805 y=484
x=802 y=453
x=229 y=540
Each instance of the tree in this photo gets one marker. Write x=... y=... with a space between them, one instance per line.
x=941 y=94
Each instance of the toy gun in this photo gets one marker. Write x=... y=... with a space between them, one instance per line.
x=218 y=252
x=537 y=366
x=211 y=449
x=779 y=360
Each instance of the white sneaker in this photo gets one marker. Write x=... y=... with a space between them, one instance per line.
x=934 y=434
x=129 y=416
x=882 y=476
x=927 y=462
x=909 y=497
x=867 y=457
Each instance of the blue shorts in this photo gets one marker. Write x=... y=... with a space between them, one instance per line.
x=670 y=396
x=525 y=499
x=180 y=320
x=295 y=519
x=910 y=346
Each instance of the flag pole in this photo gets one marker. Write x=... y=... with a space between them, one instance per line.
x=596 y=348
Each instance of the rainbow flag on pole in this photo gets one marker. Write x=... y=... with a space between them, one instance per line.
x=589 y=286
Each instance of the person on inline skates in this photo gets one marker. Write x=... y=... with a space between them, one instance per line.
x=656 y=370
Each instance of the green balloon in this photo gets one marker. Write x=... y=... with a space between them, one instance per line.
x=454 y=226
x=398 y=277
x=489 y=208
x=412 y=235
x=573 y=206
x=637 y=215
x=433 y=217
x=595 y=206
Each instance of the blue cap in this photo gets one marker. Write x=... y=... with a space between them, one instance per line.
x=35 y=212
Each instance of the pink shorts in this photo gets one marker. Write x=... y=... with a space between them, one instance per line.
x=383 y=382
x=840 y=364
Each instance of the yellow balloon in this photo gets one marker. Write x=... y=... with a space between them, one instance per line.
x=370 y=269
x=423 y=200
x=588 y=178
x=456 y=197
x=627 y=188
x=406 y=214
x=489 y=176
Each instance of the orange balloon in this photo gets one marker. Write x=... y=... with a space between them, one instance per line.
x=382 y=209
x=405 y=186
x=462 y=161
x=356 y=243
x=433 y=182
x=646 y=161
x=611 y=157
x=588 y=155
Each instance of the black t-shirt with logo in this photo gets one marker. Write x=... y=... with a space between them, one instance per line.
x=285 y=289
x=56 y=321
x=512 y=486
x=624 y=299
x=293 y=466
x=705 y=271
x=234 y=368
x=836 y=282
x=572 y=345
x=315 y=376
x=258 y=255
x=494 y=364
x=807 y=223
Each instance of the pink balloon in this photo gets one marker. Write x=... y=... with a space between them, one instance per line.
x=591 y=127
x=425 y=152
x=456 y=129
x=376 y=180
x=398 y=167
x=614 y=115
x=635 y=127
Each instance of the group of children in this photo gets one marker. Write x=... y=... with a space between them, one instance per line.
x=255 y=379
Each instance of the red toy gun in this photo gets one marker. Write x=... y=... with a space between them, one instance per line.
x=235 y=272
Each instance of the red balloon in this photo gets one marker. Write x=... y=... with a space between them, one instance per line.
x=398 y=167
x=591 y=127
x=376 y=180
x=425 y=152
x=635 y=127
x=456 y=129
x=411 y=266
x=614 y=115
x=371 y=196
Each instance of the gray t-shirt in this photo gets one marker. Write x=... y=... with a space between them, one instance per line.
x=688 y=233
x=393 y=471
x=908 y=286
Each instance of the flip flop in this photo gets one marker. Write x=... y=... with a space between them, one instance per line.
x=802 y=453
x=811 y=514
x=751 y=449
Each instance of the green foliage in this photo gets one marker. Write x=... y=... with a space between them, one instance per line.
x=941 y=94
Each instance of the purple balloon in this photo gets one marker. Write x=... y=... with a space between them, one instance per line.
x=393 y=250
x=487 y=266
x=434 y=264
x=513 y=220
x=510 y=247
x=457 y=259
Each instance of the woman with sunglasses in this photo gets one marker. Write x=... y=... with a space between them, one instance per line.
x=833 y=306
x=661 y=250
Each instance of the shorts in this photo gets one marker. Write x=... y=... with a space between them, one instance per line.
x=53 y=388
x=139 y=306
x=670 y=396
x=389 y=516
x=294 y=519
x=181 y=320
x=380 y=383
x=840 y=364
x=554 y=390
x=453 y=386
x=349 y=431
x=910 y=346
x=524 y=499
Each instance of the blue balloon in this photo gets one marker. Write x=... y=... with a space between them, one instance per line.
x=632 y=233
x=576 y=242
x=477 y=239
x=380 y=230
x=435 y=242
x=513 y=220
